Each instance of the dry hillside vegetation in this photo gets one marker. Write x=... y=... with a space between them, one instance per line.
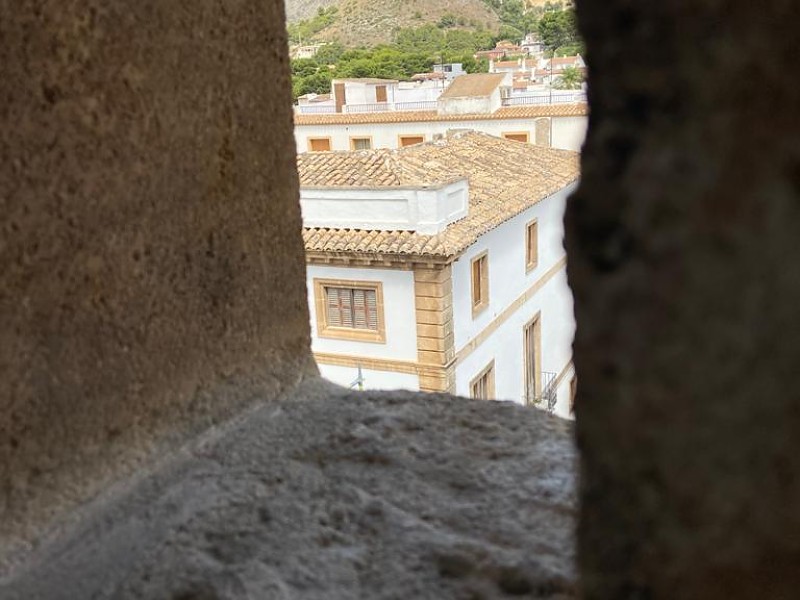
x=303 y=9
x=369 y=22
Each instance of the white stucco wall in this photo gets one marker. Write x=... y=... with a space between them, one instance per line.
x=507 y=282
x=373 y=380
x=359 y=93
x=399 y=312
x=465 y=106
x=425 y=210
x=568 y=132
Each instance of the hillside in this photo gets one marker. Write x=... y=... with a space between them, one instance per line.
x=303 y=9
x=368 y=22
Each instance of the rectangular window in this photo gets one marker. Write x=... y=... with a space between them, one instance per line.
x=319 y=144
x=350 y=310
x=532 y=339
x=480 y=283
x=517 y=136
x=354 y=308
x=482 y=387
x=360 y=143
x=410 y=140
x=531 y=245
x=380 y=94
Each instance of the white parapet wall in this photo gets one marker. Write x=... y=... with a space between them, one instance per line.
x=426 y=210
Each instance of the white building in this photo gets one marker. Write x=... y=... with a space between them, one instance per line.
x=308 y=51
x=368 y=95
x=450 y=70
x=440 y=267
x=481 y=102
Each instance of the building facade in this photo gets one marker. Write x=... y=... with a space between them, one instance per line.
x=483 y=102
x=423 y=274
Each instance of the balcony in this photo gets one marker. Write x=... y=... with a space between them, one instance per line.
x=548 y=396
x=555 y=97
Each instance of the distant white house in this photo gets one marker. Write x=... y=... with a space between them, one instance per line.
x=450 y=70
x=307 y=51
x=440 y=267
x=374 y=113
x=532 y=45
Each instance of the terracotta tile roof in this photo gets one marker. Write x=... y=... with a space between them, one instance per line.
x=366 y=168
x=531 y=111
x=528 y=174
x=423 y=76
x=474 y=85
x=506 y=64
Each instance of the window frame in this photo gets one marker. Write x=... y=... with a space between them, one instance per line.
x=531 y=258
x=324 y=330
x=353 y=139
x=489 y=373
x=311 y=139
x=401 y=136
x=483 y=285
x=527 y=135
x=535 y=327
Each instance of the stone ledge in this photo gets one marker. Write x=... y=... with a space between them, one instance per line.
x=339 y=495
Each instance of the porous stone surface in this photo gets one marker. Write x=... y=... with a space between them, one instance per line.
x=683 y=246
x=340 y=495
x=151 y=266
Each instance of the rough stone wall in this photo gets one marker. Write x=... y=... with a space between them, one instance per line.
x=683 y=246
x=151 y=267
x=340 y=496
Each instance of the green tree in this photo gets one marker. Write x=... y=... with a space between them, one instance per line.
x=571 y=79
x=358 y=67
x=558 y=29
x=304 y=67
x=329 y=53
x=318 y=83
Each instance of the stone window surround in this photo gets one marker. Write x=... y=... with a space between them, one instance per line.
x=480 y=301
x=346 y=333
x=355 y=138
x=531 y=249
x=513 y=135
x=486 y=373
x=313 y=139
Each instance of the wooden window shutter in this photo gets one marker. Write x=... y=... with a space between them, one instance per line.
x=476 y=282
x=319 y=144
x=372 y=310
x=359 y=309
x=484 y=279
x=532 y=245
x=334 y=308
x=346 y=300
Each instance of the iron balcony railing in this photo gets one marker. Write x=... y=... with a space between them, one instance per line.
x=376 y=107
x=545 y=98
x=310 y=109
x=548 y=394
x=419 y=105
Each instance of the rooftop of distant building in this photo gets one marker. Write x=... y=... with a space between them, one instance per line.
x=530 y=111
x=528 y=174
